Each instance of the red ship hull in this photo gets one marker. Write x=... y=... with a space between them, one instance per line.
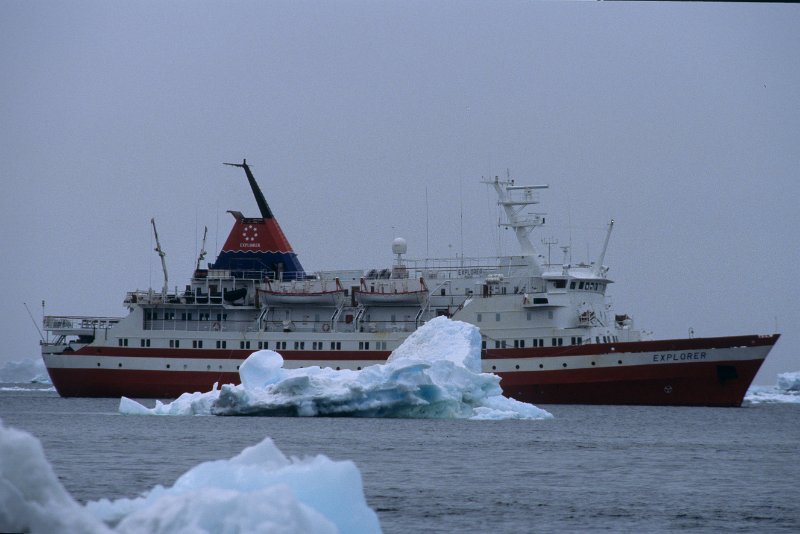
x=685 y=372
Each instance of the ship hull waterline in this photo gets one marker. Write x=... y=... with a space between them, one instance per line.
x=684 y=372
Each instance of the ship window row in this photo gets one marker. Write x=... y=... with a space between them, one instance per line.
x=587 y=286
x=169 y=315
x=554 y=342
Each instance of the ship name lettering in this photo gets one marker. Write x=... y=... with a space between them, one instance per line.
x=679 y=356
x=249 y=245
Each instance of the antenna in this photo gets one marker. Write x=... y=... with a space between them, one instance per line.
x=461 y=202
x=549 y=241
x=202 y=249
x=427 y=226
x=161 y=254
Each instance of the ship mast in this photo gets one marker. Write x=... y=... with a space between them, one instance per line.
x=202 y=249
x=161 y=254
x=514 y=199
x=598 y=269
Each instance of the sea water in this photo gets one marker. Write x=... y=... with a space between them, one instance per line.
x=590 y=468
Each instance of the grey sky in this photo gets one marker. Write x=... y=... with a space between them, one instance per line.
x=680 y=121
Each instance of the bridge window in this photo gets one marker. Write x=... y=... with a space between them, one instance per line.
x=572 y=285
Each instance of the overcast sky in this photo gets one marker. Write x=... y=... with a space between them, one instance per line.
x=680 y=121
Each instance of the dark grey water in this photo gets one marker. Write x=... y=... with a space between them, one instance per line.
x=592 y=468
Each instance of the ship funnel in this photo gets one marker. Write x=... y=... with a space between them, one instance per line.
x=258 y=243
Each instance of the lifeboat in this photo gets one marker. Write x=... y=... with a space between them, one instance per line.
x=309 y=292
x=390 y=293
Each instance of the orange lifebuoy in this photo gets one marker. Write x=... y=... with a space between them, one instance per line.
x=326 y=327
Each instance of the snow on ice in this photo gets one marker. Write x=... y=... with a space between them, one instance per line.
x=786 y=390
x=435 y=373
x=259 y=490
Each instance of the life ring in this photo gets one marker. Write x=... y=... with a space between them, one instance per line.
x=326 y=327
x=215 y=326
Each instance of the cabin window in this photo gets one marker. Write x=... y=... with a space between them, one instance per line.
x=299 y=345
x=222 y=317
x=572 y=285
x=263 y=344
x=336 y=345
x=442 y=292
x=174 y=343
x=598 y=339
x=479 y=317
x=540 y=300
x=244 y=344
x=497 y=344
x=144 y=342
x=123 y=342
x=221 y=344
x=497 y=317
x=560 y=284
x=580 y=285
x=483 y=344
x=550 y=314
x=155 y=315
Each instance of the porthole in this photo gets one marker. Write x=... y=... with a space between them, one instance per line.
x=98 y=364
x=516 y=366
x=563 y=365
x=494 y=367
x=208 y=367
x=167 y=366
x=220 y=367
x=593 y=363
x=237 y=367
x=619 y=362
x=119 y=365
x=359 y=368
x=338 y=368
x=541 y=366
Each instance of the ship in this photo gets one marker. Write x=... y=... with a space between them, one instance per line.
x=548 y=329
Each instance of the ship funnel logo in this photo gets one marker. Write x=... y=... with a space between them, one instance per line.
x=249 y=237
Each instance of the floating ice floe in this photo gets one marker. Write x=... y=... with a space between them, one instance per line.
x=786 y=390
x=259 y=490
x=24 y=372
x=435 y=373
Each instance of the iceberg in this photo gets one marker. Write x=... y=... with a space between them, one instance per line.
x=435 y=373
x=787 y=390
x=259 y=490
x=24 y=372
